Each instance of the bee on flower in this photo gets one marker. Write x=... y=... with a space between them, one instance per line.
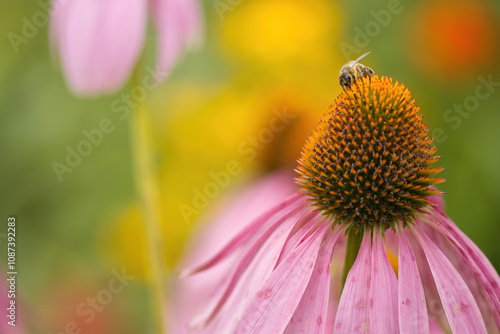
x=352 y=71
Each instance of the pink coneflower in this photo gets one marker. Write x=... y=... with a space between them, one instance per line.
x=367 y=197
x=99 y=41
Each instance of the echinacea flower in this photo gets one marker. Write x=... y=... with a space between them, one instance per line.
x=367 y=192
x=99 y=42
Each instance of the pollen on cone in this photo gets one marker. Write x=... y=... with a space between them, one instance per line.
x=368 y=159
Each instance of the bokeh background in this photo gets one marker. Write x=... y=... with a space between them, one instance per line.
x=259 y=56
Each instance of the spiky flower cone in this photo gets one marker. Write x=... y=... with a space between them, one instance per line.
x=367 y=162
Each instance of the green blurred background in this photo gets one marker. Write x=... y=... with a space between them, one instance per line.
x=259 y=55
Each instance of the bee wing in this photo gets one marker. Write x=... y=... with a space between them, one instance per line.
x=360 y=57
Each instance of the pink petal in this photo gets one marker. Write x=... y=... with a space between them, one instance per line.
x=413 y=316
x=258 y=230
x=434 y=327
x=258 y=271
x=434 y=305
x=273 y=306
x=337 y=266
x=255 y=272
x=461 y=309
x=179 y=24
x=475 y=287
x=193 y=22
x=297 y=238
x=98 y=42
x=438 y=201
x=242 y=205
x=383 y=290
x=311 y=314
x=353 y=310
x=473 y=252
x=482 y=269
x=469 y=272
x=226 y=288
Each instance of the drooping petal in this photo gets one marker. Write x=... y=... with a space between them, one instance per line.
x=413 y=316
x=461 y=309
x=434 y=327
x=273 y=306
x=435 y=307
x=438 y=202
x=336 y=274
x=244 y=204
x=473 y=276
x=311 y=314
x=483 y=302
x=178 y=23
x=297 y=238
x=262 y=265
x=474 y=253
x=258 y=271
x=230 y=215
x=98 y=42
x=259 y=228
x=285 y=223
x=383 y=289
x=353 y=311
x=482 y=269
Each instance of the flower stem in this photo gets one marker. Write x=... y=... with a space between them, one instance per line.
x=354 y=238
x=147 y=187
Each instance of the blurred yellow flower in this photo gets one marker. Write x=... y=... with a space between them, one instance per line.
x=282 y=32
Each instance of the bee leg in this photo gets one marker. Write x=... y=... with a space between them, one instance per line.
x=368 y=71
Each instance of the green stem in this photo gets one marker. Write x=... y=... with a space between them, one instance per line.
x=147 y=187
x=354 y=238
